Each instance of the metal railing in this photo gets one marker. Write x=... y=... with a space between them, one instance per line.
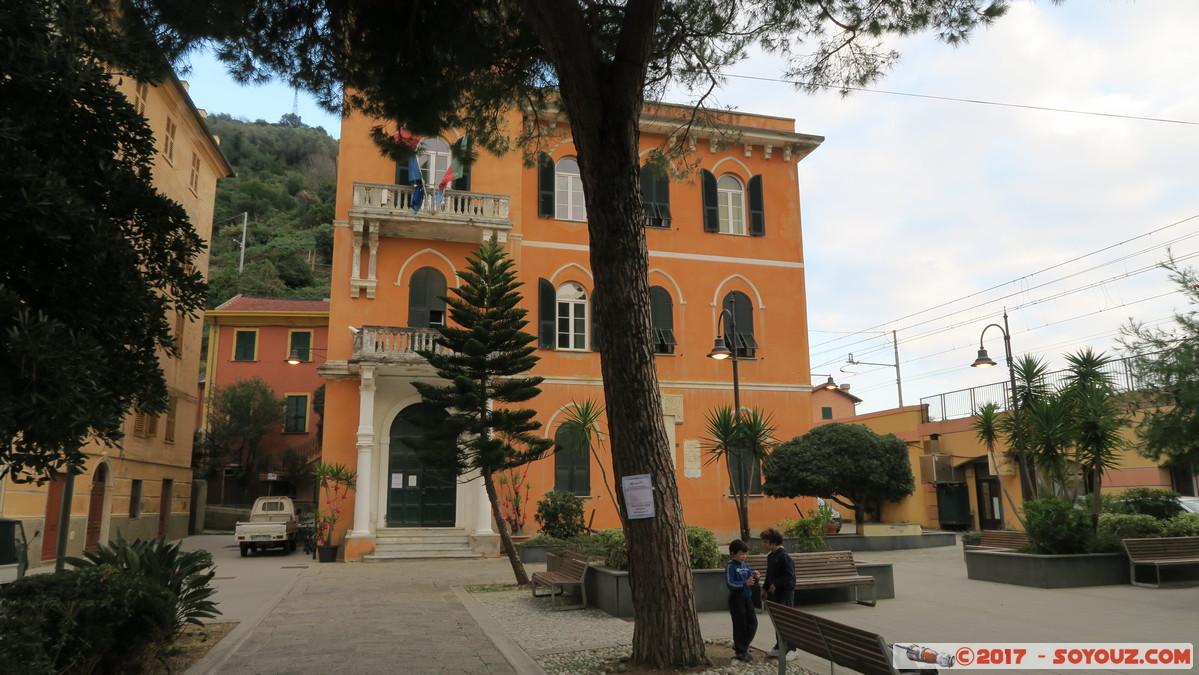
x=964 y=402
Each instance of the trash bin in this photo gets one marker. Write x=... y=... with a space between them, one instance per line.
x=13 y=552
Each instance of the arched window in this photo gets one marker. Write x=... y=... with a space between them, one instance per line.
x=425 y=292
x=572 y=461
x=743 y=320
x=568 y=191
x=730 y=201
x=662 y=320
x=433 y=157
x=572 y=317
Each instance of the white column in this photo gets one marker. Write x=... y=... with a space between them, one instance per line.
x=366 y=444
x=482 y=511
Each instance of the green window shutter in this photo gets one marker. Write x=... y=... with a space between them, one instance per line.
x=295 y=417
x=655 y=195
x=711 y=208
x=461 y=180
x=246 y=341
x=743 y=317
x=662 y=320
x=826 y=413
x=545 y=186
x=591 y=314
x=757 y=207
x=547 y=308
x=301 y=343
x=418 y=293
x=402 y=172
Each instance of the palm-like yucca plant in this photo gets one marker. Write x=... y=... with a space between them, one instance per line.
x=185 y=574
x=743 y=441
x=1049 y=438
x=987 y=427
x=1097 y=419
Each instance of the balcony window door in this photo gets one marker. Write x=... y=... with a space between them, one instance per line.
x=425 y=305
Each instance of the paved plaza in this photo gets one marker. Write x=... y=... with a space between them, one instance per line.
x=297 y=616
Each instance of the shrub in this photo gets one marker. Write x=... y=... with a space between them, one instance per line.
x=809 y=532
x=1055 y=527
x=1116 y=527
x=1182 y=525
x=184 y=574
x=97 y=619
x=705 y=553
x=1161 y=504
x=971 y=538
x=560 y=515
x=613 y=549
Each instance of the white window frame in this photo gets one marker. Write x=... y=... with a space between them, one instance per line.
x=730 y=203
x=571 y=308
x=568 y=191
x=434 y=158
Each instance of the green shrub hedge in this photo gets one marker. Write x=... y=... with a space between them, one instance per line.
x=94 y=620
x=1116 y=527
x=1182 y=525
x=705 y=553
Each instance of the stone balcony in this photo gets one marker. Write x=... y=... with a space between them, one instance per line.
x=460 y=215
x=394 y=345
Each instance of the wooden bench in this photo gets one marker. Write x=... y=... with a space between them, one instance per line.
x=1000 y=540
x=1160 y=552
x=854 y=648
x=568 y=569
x=827 y=569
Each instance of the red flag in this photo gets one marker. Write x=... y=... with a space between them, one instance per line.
x=403 y=137
x=447 y=179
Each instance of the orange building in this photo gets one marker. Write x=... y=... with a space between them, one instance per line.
x=143 y=488
x=726 y=236
x=255 y=337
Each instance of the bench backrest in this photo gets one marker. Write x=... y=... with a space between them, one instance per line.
x=813 y=565
x=843 y=645
x=573 y=567
x=1162 y=548
x=1004 y=539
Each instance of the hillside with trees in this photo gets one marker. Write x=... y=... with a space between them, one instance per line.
x=285 y=186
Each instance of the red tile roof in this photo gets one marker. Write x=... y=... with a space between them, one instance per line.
x=239 y=303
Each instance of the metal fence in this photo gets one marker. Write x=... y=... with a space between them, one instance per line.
x=964 y=402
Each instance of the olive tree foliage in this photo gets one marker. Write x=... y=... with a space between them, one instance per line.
x=94 y=261
x=1166 y=363
x=847 y=463
x=428 y=67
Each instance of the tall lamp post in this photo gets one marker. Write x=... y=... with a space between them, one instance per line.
x=898 y=380
x=720 y=351
x=1027 y=481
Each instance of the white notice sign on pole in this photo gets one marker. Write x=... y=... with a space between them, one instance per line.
x=638 y=496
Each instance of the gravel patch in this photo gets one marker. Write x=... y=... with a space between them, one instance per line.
x=586 y=641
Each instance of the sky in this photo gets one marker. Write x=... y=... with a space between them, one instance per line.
x=930 y=217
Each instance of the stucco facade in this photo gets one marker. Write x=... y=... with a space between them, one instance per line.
x=747 y=244
x=143 y=488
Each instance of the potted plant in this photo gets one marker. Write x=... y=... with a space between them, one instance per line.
x=336 y=481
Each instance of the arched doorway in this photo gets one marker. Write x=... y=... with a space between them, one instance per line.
x=417 y=495
x=95 y=508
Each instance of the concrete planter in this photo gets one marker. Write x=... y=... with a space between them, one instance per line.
x=608 y=589
x=531 y=554
x=1047 y=571
x=895 y=542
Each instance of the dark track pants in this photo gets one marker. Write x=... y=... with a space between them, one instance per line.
x=745 y=622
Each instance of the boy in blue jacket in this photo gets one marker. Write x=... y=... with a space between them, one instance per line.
x=741 y=580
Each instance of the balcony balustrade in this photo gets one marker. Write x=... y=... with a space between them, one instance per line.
x=394 y=345
x=456 y=216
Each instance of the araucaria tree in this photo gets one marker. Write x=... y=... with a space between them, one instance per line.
x=483 y=357
x=1166 y=362
x=847 y=463
x=93 y=259
x=430 y=66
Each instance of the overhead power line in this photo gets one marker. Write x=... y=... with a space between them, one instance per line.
x=965 y=100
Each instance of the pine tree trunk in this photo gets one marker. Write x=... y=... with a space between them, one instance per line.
x=506 y=545
x=603 y=95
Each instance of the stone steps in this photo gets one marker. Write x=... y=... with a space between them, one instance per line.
x=420 y=543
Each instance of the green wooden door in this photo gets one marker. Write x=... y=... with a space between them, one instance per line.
x=417 y=495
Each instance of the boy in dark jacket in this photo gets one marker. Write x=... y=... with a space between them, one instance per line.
x=741 y=580
x=780 y=573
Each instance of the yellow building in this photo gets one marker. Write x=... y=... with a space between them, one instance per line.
x=143 y=488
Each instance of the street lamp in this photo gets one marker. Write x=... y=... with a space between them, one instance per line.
x=294 y=357
x=830 y=385
x=898 y=380
x=1027 y=480
x=720 y=351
